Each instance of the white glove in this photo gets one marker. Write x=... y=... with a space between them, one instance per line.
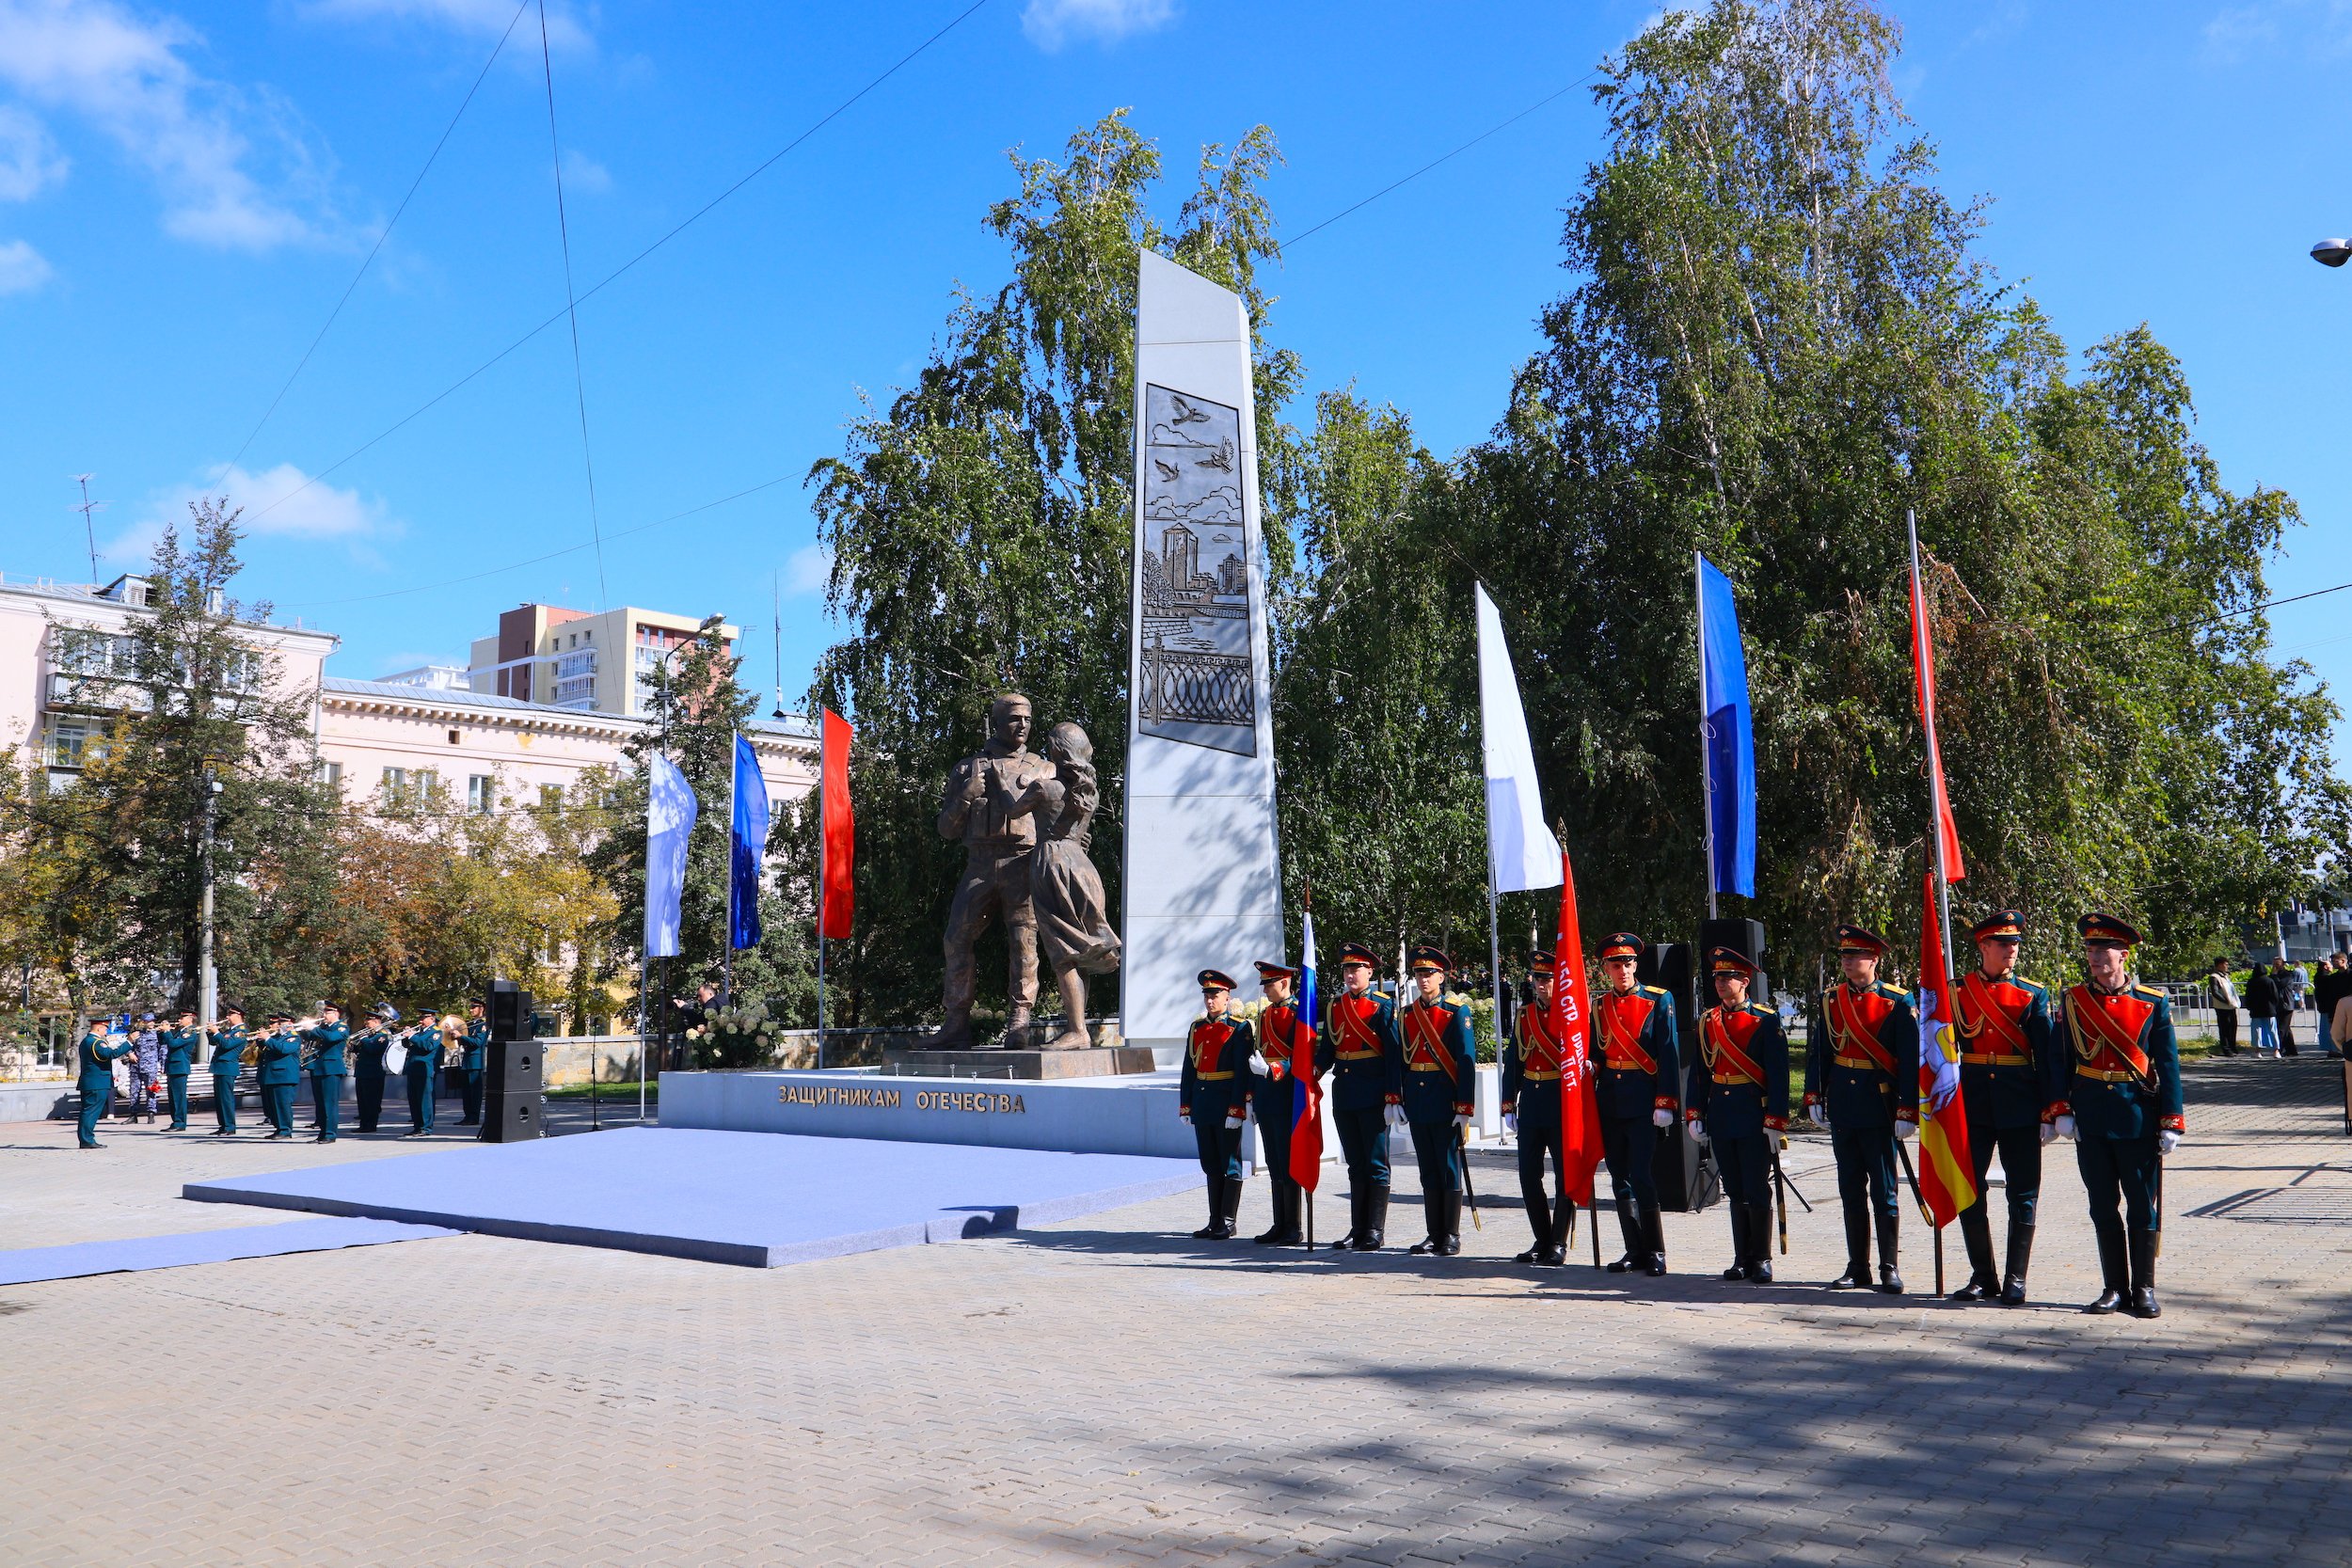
x=1460 y=1120
x=1511 y=1122
x=2049 y=1133
x=1185 y=1116
x=1662 y=1117
x=2166 y=1140
x=2065 y=1126
x=1698 y=1130
x=1819 y=1111
x=1903 y=1129
x=1397 y=1115
x=1232 y=1118
x=1257 y=1064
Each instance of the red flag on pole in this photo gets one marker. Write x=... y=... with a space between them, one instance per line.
x=839 y=896
x=1923 y=672
x=1572 y=1022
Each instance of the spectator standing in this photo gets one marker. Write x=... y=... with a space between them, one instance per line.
x=147 y=1069
x=2286 y=985
x=2262 y=1012
x=2221 y=996
x=2334 y=987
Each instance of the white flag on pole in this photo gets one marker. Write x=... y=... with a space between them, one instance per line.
x=1524 y=852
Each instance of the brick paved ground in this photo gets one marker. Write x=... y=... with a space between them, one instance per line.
x=1108 y=1392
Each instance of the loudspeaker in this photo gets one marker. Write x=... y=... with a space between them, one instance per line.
x=509 y=1007
x=1667 y=964
x=1744 y=937
x=513 y=1066
x=1685 y=1171
x=511 y=1118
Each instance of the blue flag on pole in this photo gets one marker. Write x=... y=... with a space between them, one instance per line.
x=1730 y=743
x=670 y=810
x=749 y=846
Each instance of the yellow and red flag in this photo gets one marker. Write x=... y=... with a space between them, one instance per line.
x=1947 y=1177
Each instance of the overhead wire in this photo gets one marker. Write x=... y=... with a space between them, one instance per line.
x=571 y=311
x=352 y=286
x=616 y=274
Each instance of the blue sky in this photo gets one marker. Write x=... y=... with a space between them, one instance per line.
x=186 y=191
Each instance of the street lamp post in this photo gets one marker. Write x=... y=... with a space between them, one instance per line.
x=2332 y=253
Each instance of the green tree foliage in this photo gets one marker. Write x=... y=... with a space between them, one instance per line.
x=979 y=526
x=1779 y=343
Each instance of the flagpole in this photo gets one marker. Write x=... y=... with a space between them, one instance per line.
x=1921 y=647
x=1706 y=776
x=727 y=951
x=822 y=741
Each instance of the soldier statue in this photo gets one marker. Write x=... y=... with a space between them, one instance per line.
x=986 y=804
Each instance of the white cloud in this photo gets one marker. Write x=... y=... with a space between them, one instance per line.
x=277 y=506
x=2311 y=27
x=1051 y=23
x=485 y=17
x=583 y=175
x=22 y=268
x=28 y=159
x=807 y=570
x=130 y=76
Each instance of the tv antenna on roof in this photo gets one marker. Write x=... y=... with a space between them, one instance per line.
x=90 y=530
x=776 y=588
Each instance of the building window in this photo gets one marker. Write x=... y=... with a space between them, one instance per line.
x=480 y=794
x=550 y=797
x=408 y=786
x=331 y=777
x=74 y=743
x=454 y=738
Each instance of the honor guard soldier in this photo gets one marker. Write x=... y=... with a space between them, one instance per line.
x=1531 y=1110
x=1286 y=1048
x=1862 y=1082
x=280 y=1075
x=1737 y=1100
x=228 y=1058
x=181 y=1042
x=2009 y=1072
x=1640 y=1087
x=96 y=1075
x=423 y=1068
x=367 y=1064
x=1213 y=1095
x=329 y=1070
x=2123 y=1107
x=473 y=1060
x=1439 y=1095
x=1360 y=1046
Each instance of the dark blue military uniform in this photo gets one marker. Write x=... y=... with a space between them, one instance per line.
x=1530 y=1092
x=1440 y=1084
x=1635 y=1045
x=1738 y=1090
x=1360 y=1047
x=1214 y=1093
x=1287 y=1043
x=472 y=1059
x=281 y=1076
x=2122 y=1090
x=97 y=1080
x=228 y=1058
x=367 y=1071
x=327 y=1072
x=1863 y=1068
x=180 y=1048
x=2011 y=1070
x=422 y=1070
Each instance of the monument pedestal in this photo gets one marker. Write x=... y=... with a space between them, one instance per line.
x=1018 y=1066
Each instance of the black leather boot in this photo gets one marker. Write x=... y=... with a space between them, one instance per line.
x=2113 y=1277
x=1284 y=1230
x=1654 y=1236
x=1636 y=1242
x=1230 y=1218
x=1857 y=1274
x=1738 y=1213
x=1210 y=1232
x=1759 y=1270
x=1433 y=1222
x=2020 y=1254
x=1538 y=1221
x=1976 y=1233
x=1355 y=1200
x=1450 y=1210
x=2143 y=1260
x=1890 y=1281
x=1375 y=1229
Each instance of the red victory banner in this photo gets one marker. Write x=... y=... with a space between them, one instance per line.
x=1572 y=1019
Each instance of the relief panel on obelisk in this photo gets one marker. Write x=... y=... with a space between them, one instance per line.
x=1198 y=676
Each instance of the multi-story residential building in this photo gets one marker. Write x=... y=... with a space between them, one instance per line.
x=571 y=658
x=375 y=739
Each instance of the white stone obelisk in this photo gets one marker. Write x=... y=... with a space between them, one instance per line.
x=1203 y=887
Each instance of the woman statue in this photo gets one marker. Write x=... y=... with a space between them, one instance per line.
x=1073 y=928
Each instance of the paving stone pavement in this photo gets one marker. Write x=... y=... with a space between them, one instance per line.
x=1108 y=1391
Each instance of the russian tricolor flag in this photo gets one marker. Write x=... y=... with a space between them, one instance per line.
x=1306 y=1091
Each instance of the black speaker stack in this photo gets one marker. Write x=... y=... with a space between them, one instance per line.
x=514 y=1083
